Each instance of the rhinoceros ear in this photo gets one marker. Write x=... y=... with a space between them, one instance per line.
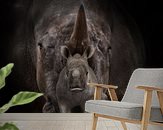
x=65 y=52
x=80 y=33
x=89 y=52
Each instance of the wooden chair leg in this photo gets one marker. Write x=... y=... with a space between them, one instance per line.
x=94 y=122
x=124 y=125
x=160 y=98
x=144 y=126
x=146 y=110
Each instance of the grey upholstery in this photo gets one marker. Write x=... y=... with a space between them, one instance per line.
x=140 y=77
x=131 y=105
x=132 y=111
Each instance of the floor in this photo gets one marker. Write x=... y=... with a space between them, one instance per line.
x=58 y=121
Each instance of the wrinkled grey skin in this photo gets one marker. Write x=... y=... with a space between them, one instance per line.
x=48 y=25
x=77 y=32
x=72 y=90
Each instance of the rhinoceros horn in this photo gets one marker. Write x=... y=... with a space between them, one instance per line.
x=79 y=38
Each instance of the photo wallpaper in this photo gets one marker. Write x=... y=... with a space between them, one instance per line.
x=58 y=46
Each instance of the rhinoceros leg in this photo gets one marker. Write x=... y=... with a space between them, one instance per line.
x=64 y=108
x=104 y=96
x=51 y=105
x=82 y=106
x=49 y=108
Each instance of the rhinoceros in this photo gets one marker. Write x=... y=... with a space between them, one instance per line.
x=72 y=90
x=48 y=25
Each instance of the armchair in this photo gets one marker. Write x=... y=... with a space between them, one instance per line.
x=142 y=102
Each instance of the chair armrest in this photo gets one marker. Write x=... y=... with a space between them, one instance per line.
x=150 y=88
x=98 y=87
x=102 y=85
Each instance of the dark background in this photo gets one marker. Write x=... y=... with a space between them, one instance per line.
x=148 y=15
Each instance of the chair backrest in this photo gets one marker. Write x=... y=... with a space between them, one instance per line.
x=147 y=77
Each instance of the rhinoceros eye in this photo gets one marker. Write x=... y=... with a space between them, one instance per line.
x=109 y=50
x=40 y=45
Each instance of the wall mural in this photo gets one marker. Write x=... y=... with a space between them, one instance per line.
x=59 y=46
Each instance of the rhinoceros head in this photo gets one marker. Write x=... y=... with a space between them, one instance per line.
x=69 y=30
x=77 y=68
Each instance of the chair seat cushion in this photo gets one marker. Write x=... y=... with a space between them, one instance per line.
x=131 y=111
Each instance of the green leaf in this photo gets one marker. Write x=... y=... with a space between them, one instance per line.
x=4 y=72
x=4 y=108
x=8 y=126
x=20 y=99
x=24 y=98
